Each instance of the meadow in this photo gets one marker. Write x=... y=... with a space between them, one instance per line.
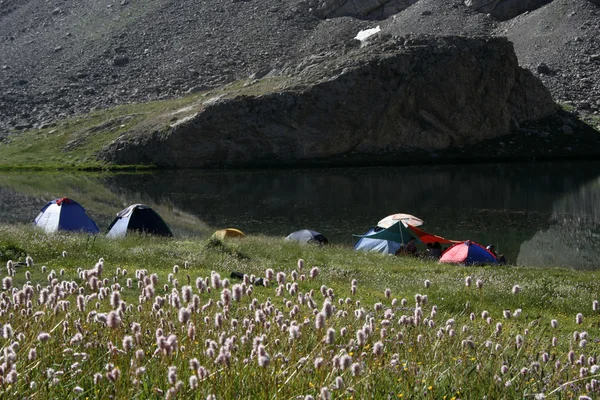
x=146 y=317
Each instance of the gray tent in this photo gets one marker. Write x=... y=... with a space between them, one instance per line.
x=307 y=236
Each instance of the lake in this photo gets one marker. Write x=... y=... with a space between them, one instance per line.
x=542 y=214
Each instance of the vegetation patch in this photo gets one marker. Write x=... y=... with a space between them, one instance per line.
x=75 y=142
x=149 y=317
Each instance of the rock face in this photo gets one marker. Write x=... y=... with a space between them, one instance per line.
x=505 y=9
x=371 y=9
x=392 y=97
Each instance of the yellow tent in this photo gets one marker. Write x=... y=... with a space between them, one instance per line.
x=228 y=233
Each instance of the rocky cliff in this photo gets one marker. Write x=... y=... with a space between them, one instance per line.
x=391 y=96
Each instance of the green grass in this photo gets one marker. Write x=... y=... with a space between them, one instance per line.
x=74 y=143
x=432 y=359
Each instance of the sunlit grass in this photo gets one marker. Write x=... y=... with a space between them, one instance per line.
x=161 y=318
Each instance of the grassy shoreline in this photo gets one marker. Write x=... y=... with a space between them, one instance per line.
x=300 y=338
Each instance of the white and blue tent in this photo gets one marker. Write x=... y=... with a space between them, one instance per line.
x=378 y=245
x=66 y=215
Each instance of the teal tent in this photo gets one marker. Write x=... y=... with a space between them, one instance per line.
x=397 y=232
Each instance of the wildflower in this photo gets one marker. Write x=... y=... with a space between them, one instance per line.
x=554 y=341
x=388 y=293
x=7 y=331
x=325 y=393
x=127 y=343
x=506 y=314
x=186 y=293
x=519 y=341
x=330 y=338
x=294 y=332
x=427 y=283
x=264 y=361
x=504 y=369
x=595 y=305
x=43 y=337
x=571 y=357
x=345 y=362
x=554 y=323
x=468 y=280
x=356 y=369
x=193 y=382
x=516 y=289
x=7 y=283
x=77 y=389
x=545 y=357
x=320 y=320
x=113 y=320
x=498 y=327
x=583 y=343
x=479 y=284
x=314 y=272
x=172 y=375
x=32 y=354
x=215 y=280
x=327 y=309
x=319 y=362
x=300 y=264
x=339 y=383
x=361 y=338
x=378 y=349
x=29 y=261
x=579 y=318
x=517 y=313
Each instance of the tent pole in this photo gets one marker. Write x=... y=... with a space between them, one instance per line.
x=401 y=234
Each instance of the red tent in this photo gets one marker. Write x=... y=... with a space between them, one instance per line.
x=468 y=253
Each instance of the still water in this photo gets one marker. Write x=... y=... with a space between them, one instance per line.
x=543 y=214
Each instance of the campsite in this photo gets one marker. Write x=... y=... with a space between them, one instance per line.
x=221 y=310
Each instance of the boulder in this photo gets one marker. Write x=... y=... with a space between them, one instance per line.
x=385 y=99
x=505 y=9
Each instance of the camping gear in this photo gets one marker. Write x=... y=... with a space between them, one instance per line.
x=398 y=232
x=378 y=245
x=395 y=228
x=407 y=219
x=429 y=237
x=140 y=218
x=67 y=215
x=468 y=253
x=228 y=233
x=307 y=236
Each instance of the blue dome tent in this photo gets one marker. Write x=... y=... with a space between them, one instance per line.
x=66 y=215
x=140 y=218
x=378 y=245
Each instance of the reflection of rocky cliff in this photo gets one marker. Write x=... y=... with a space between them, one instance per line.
x=500 y=204
x=573 y=240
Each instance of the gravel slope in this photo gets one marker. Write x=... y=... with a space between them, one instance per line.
x=65 y=57
x=564 y=36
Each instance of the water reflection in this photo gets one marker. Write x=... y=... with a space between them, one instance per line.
x=507 y=205
x=573 y=238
